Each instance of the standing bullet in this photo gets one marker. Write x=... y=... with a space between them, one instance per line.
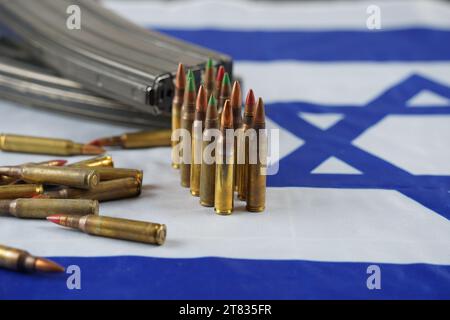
x=105 y=191
x=247 y=124
x=20 y=191
x=74 y=177
x=219 y=79
x=180 y=82
x=187 y=119
x=100 y=161
x=208 y=166
x=134 y=140
x=140 y=231
x=256 y=195
x=225 y=92
x=208 y=78
x=223 y=198
x=197 y=137
x=42 y=208
x=20 y=260
x=236 y=106
x=28 y=144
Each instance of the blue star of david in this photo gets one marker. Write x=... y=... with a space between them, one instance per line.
x=432 y=191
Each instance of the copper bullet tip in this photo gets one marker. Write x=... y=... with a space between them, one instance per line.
x=227 y=116
x=201 y=103
x=59 y=162
x=56 y=218
x=260 y=116
x=250 y=102
x=45 y=265
x=106 y=142
x=180 y=79
x=236 y=96
x=90 y=149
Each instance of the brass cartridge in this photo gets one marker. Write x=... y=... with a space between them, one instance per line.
x=224 y=189
x=73 y=177
x=42 y=208
x=177 y=103
x=208 y=170
x=105 y=191
x=51 y=163
x=39 y=145
x=134 y=140
x=117 y=228
x=106 y=173
x=20 y=191
x=256 y=195
x=100 y=161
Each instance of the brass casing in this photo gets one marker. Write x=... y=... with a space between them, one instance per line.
x=100 y=161
x=29 y=144
x=42 y=208
x=176 y=121
x=256 y=194
x=185 y=168
x=20 y=191
x=12 y=180
x=146 y=139
x=117 y=228
x=207 y=180
x=74 y=177
x=197 y=148
x=106 y=173
x=224 y=190
x=15 y=259
x=105 y=191
x=242 y=168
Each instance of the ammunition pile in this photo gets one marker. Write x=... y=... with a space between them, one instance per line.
x=219 y=151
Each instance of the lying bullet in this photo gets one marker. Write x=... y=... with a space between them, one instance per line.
x=42 y=208
x=51 y=163
x=100 y=161
x=106 y=173
x=224 y=189
x=256 y=195
x=142 y=139
x=74 y=177
x=20 y=260
x=117 y=228
x=105 y=191
x=39 y=145
x=20 y=191
x=208 y=170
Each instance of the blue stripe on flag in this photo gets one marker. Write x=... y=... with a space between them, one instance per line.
x=418 y=44
x=134 y=277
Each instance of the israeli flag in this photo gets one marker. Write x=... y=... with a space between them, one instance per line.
x=360 y=206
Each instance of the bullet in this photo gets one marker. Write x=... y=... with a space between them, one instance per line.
x=135 y=140
x=20 y=260
x=106 y=173
x=247 y=123
x=256 y=194
x=208 y=78
x=219 y=79
x=42 y=208
x=177 y=103
x=225 y=92
x=187 y=120
x=197 y=136
x=105 y=191
x=117 y=228
x=223 y=193
x=39 y=145
x=20 y=191
x=208 y=170
x=100 y=161
x=236 y=106
x=74 y=177
x=50 y=163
